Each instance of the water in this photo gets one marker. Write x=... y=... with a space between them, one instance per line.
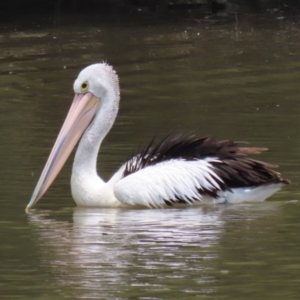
x=230 y=80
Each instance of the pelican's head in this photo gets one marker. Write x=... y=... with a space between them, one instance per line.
x=95 y=85
x=98 y=79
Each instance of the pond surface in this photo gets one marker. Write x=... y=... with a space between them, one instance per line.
x=233 y=80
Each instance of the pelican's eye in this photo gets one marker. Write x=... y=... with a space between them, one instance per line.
x=84 y=86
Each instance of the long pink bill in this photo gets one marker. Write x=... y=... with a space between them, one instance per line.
x=80 y=115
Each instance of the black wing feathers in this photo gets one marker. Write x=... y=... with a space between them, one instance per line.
x=231 y=163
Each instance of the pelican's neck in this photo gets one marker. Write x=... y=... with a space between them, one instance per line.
x=85 y=162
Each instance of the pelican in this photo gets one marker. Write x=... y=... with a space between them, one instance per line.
x=180 y=169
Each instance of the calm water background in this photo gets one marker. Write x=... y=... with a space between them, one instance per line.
x=216 y=77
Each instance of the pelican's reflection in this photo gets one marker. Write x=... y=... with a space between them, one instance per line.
x=109 y=253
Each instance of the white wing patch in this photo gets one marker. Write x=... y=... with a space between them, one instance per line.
x=170 y=180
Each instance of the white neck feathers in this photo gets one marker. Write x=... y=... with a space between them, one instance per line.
x=107 y=89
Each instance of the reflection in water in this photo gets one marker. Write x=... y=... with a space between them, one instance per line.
x=113 y=252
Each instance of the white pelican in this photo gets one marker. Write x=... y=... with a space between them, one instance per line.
x=180 y=169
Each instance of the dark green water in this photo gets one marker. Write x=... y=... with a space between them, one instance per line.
x=232 y=81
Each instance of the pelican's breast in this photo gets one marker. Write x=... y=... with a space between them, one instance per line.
x=91 y=191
